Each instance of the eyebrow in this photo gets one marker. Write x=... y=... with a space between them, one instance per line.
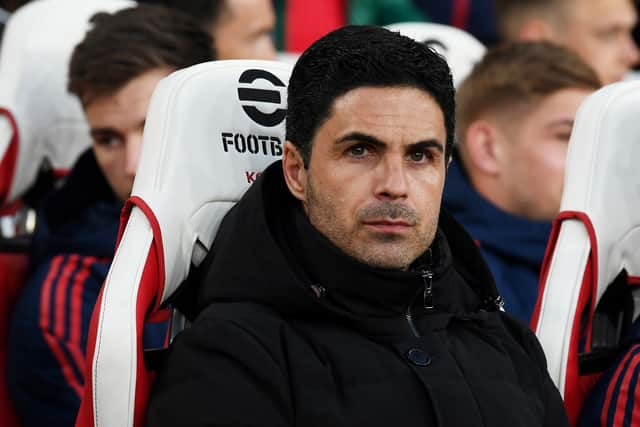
x=95 y=131
x=370 y=139
x=561 y=122
x=98 y=131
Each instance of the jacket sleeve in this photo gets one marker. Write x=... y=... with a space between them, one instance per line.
x=46 y=353
x=555 y=413
x=612 y=401
x=219 y=373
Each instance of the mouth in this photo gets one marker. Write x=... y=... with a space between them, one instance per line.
x=388 y=225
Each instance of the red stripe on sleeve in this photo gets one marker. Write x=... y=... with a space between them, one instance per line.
x=612 y=386
x=45 y=296
x=623 y=393
x=54 y=337
x=60 y=307
x=75 y=321
x=635 y=416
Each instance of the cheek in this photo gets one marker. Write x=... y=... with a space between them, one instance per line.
x=345 y=195
x=263 y=48
x=109 y=160
x=428 y=200
x=547 y=170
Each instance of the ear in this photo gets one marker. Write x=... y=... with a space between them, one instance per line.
x=482 y=147
x=295 y=173
x=535 y=30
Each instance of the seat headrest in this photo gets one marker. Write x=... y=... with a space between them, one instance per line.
x=288 y=57
x=602 y=179
x=594 y=237
x=210 y=131
x=460 y=49
x=34 y=60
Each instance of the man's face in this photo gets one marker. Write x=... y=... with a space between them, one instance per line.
x=375 y=179
x=535 y=151
x=116 y=123
x=243 y=30
x=600 y=32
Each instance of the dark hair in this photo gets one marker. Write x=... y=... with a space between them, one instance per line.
x=206 y=12
x=515 y=76
x=357 y=56
x=130 y=42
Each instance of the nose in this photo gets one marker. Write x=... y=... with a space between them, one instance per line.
x=392 y=179
x=132 y=147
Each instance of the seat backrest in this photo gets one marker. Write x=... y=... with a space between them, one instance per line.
x=596 y=235
x=39 y=119
x=210 y=131
x=460 y=49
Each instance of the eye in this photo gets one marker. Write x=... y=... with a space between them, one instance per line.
x=610 y=34
x=107 y=139
x=358 y=150
x=420 y=156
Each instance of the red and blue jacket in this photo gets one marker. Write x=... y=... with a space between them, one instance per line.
x=72 y=250
x=612 y=402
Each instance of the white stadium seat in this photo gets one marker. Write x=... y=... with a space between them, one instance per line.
x=39 y=119
x=595 y=237
x=461 y=50
x=210 y=131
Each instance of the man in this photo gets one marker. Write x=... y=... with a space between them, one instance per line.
x=113 y=71
x=240 y=29
x=598 y=30
x=515 y=116
x=336 y=294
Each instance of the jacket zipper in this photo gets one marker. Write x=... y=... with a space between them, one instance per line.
x=427 y=296
x=412 y=325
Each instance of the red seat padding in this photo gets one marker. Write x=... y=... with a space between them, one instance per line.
x=13 y=272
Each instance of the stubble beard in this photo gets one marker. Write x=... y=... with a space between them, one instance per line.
x=380 y=250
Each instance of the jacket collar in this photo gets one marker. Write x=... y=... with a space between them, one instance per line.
x=82 y=216
x=293 y=268
x=493 y=228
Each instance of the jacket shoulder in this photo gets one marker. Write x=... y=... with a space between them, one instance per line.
x=226 y=369
x=526 y=338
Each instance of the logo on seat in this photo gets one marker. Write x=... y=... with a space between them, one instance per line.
x=261 y=95
x=437 y=45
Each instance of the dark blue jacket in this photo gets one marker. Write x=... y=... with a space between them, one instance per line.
x=72 y=250
x=612 y=402
x=513 y=247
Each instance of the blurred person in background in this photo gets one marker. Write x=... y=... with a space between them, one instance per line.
x=477 y=17
x=301 y=22
x=240 y=29
x=113 y=71
x=515 y=116
x=600 y=31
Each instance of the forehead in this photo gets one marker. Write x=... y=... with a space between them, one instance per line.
x=248 y=12
x=390 y=111
x=556 y=110
x=594 y=13
x=128 y=103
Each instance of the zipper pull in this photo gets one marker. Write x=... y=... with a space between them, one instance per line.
x=427 y=296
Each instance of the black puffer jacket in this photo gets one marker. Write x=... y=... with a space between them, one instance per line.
x=290 y=331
